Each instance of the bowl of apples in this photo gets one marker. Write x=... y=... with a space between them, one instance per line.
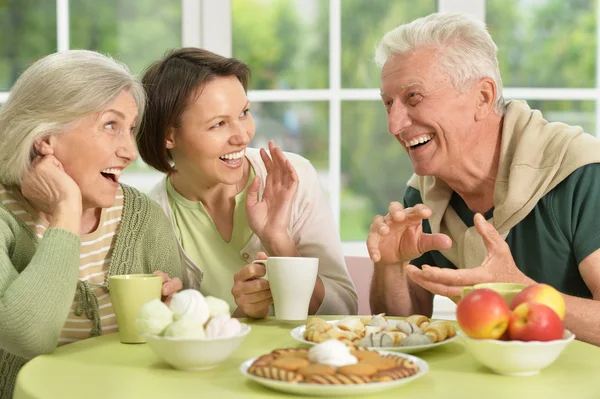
x=517 y=339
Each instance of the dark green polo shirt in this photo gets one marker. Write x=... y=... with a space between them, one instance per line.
x=549 y=244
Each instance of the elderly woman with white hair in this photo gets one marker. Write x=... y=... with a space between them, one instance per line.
x=66 y=224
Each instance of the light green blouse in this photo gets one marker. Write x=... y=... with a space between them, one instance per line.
x=219 y=260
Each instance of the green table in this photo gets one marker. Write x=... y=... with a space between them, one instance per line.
x=104 y=368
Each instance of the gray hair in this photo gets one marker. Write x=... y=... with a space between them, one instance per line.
x=51 y=96
x=466 y=50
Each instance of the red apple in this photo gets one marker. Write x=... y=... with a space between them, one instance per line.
x=532 y=321
x=483 y=313
x=541 y=293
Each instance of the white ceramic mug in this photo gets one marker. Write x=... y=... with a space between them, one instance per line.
x=292 y=281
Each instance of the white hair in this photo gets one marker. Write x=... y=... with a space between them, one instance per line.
x=465 y=49
x=51 y=96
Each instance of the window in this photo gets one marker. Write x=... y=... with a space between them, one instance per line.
x=315 y=89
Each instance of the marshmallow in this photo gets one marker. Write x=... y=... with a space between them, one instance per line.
x=185 y=328
x=223 y=326
x=217 y=306
x=190 y=304
x=153 y=317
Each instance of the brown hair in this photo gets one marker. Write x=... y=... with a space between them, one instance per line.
x=169 y=84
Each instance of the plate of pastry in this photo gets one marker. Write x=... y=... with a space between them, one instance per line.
x=415 y=333
x=331 y=368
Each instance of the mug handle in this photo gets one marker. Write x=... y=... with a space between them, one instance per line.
x=264 y=262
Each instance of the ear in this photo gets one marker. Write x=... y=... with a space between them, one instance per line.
x=170 y=139
x=44 y=145
x=485 y=98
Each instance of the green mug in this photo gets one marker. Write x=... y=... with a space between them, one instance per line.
x=507 y=290
x=128 y=293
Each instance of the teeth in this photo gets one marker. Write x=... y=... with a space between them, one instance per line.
x=418 y=140
x=233 y=155
x=116 y=172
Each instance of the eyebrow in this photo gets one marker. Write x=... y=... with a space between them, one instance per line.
x=114 y=111
x=224 y=116
x=406 y=86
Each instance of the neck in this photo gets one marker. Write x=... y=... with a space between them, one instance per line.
x=192 y=187
x=90 y=218
x=474 y=177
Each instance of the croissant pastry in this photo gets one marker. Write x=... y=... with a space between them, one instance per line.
x=315 y=321
x=416 y=339
x=419 y=320
x=407 y=327
x=377 y=340
x=439 y=331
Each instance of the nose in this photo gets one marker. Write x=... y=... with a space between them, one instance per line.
x=398 y=118
x=127 y=150
x=242 y=133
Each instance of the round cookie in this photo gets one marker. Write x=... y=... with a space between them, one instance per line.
x=359 y=369
x=379 y=363
x=316 y=369
x=290 y=363
x=363 y=354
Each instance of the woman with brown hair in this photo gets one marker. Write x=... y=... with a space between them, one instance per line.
x=230 y=204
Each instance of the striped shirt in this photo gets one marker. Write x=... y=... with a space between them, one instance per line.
x=95 y=256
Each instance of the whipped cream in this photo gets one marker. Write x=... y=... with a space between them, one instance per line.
x=332 y=353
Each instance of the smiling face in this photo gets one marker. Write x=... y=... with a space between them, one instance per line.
x=214 y=131
x=98 y=148
x=434 y=122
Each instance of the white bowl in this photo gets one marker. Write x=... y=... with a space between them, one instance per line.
x=516 y=358
x=195 y=354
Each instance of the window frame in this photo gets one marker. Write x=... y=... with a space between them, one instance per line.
x=208 y=24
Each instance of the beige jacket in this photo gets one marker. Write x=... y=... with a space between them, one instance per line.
x=312 y=228
x=535 y=156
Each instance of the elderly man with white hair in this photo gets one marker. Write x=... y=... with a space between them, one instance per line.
x=499 y=194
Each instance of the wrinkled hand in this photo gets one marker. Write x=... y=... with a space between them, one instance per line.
x=398 y=236
x=170 y=286
x=497 y=267
x=47 y=186
x=250 y=292
x=269 y=218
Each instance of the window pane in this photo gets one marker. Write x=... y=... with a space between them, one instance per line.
x=364 y=22
x=575 y=113
x=27 y=33
x=299 y=127
x=135 y=32
x=545 y=43
x=375 y=167
x=285 y=42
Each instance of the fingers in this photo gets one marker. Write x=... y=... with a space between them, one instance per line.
x=266 y=160
x=460 y=277
x=257 y=310
x=171 y=287
x=431 y=242
x=373 y=238
x=252 y=193
x=165 y=276
x=249 y=272
x=491 y=237
x=261 y=256
x=434 y=287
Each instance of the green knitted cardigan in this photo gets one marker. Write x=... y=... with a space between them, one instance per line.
x=39 y=278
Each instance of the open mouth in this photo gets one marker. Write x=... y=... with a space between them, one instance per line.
x=418 y=142
x=233 y=157
x=111 y=174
